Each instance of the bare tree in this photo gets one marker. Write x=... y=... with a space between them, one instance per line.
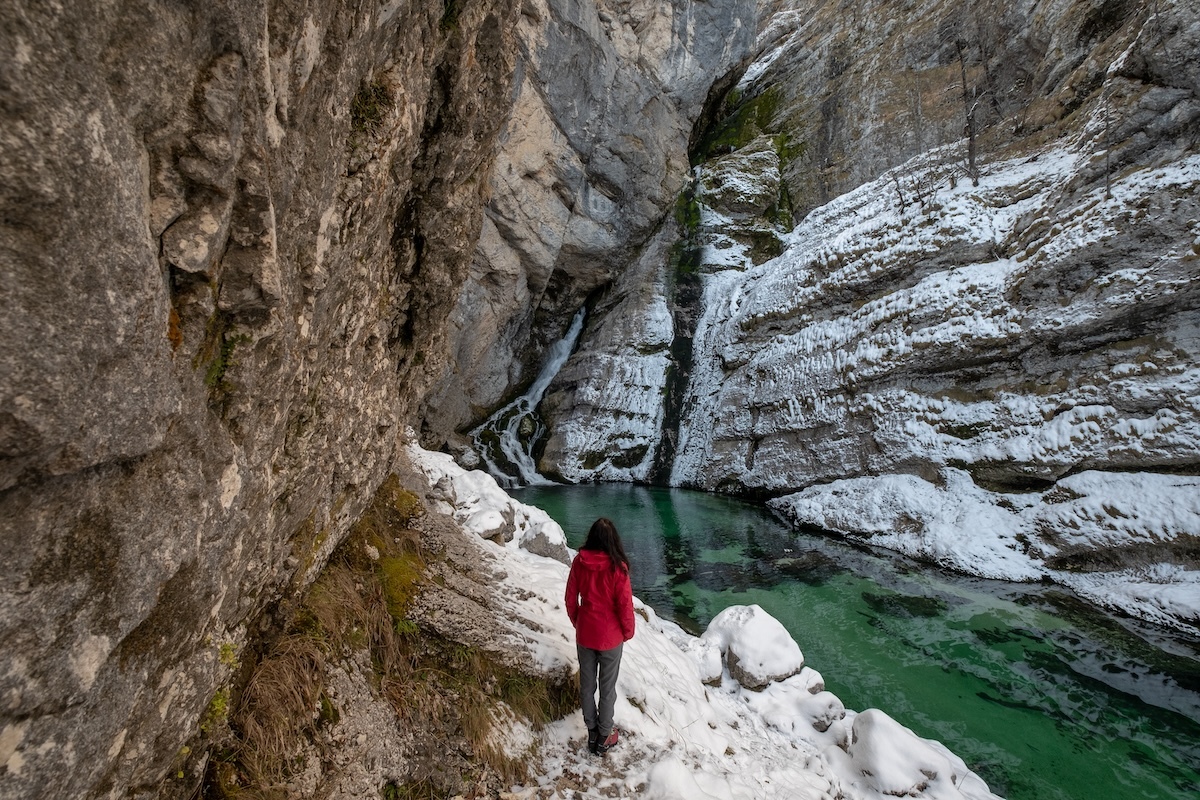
x=970 y=98
x=899 y=191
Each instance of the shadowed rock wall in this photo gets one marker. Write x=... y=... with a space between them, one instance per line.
x=593 y=158
x=230 y=235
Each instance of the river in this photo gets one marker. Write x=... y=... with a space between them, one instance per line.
x=1044 y=696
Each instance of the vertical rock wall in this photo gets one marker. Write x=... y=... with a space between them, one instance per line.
x=230 y=236
x=594 y=156
x=1026 y=325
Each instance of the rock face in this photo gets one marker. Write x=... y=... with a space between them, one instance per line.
x=1010 y=326
x=606 y=407
x=242 y=247
x=1017 y=305
x=819 y=365
x=591 y=162
x=231 y=236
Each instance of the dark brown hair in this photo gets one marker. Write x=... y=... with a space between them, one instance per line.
x=603 y=536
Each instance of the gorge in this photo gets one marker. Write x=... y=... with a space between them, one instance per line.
x=919 y=274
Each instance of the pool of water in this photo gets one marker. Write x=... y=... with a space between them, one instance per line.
x=1042 y=695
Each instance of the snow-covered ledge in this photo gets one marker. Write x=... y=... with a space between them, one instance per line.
x=689 y=728
x=1029 y=536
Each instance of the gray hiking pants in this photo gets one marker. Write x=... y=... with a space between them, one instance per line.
x=607 y=663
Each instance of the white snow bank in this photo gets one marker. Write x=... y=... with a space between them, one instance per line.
x=889 y=760
x=478 y=503
x=1012 y=535
x=1166 y=594
x=680 y=738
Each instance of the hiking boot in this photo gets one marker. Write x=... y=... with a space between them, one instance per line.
x=593 y=737
x=603 y=747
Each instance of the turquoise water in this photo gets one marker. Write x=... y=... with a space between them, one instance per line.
x=1044 y=697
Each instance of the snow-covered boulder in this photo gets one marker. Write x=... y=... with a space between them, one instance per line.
x=478 y=503
x=886 y=759
x=795 y=708
x=757 y=648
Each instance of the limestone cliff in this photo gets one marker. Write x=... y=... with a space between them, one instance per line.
x=992 y=283
x=230 y=235
x=864 y=107
x=605 y=100
x=1042 y=297
x=242 y=246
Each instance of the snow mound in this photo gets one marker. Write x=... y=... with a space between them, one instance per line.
x=757 y=648
x=478 y=503
x=889 y=760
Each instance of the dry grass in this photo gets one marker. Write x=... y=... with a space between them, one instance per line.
x=443 y=691
x=276 y=708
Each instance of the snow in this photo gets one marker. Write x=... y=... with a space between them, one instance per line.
x=868 y=298
x=894 y=762
x=478 y=503
x=984 y=332
x=1013 y=536
x=681 y=738
x=763 y=649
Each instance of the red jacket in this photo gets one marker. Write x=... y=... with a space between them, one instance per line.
x=599 y=601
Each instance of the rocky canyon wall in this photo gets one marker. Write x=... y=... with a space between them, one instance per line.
x=243 y=245
x=864 y=106
x=979 y=345
x=230 y=236
x=590 y=164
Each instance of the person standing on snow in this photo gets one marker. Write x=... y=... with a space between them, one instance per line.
x=600 y=604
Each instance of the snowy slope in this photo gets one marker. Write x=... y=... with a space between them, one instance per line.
x=683 y=738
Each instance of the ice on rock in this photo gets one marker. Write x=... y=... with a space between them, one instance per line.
x=757 y=648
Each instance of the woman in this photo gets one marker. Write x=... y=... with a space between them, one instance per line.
x=600 y=605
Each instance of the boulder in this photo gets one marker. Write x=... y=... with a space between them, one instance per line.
x=758 y=649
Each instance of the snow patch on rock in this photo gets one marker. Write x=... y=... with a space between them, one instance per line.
x=1093 y=516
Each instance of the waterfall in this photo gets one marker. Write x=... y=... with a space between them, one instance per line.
x=504 y=438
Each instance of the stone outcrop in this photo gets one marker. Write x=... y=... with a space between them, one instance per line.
x=231 y=236
x=613 y=408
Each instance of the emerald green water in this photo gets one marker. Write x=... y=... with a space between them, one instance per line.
x=1043 y=696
